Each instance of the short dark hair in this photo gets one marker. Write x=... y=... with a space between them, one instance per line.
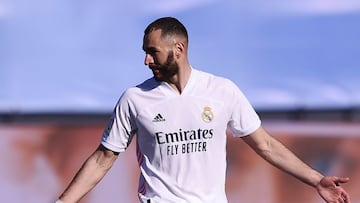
x=168 y=26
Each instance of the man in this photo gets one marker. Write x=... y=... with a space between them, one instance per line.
x=180 y=117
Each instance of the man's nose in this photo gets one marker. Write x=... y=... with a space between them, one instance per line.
x=148 y=59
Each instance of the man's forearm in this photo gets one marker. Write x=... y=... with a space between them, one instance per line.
x=287 y=161
x=92 y=171
x=278 y=155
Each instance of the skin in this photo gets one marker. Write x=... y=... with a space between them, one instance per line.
x=278 y=155
x=167 y=58
x=157 y=51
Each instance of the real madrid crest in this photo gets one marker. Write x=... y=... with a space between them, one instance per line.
x=207 y=115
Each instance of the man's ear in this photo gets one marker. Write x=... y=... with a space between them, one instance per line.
x=179 y=49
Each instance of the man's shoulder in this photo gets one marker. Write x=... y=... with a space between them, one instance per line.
x=145 y=86
x=213 y=78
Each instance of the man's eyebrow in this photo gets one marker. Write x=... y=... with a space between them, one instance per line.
x=149 y=49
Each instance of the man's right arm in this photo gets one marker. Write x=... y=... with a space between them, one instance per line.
x=91 y=172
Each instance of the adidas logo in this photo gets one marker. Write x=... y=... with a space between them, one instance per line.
x=158 y=118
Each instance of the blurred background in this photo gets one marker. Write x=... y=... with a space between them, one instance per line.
x=64 y=64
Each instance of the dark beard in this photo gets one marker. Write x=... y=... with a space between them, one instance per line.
x=167 y=70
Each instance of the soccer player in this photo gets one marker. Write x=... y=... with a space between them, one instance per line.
x=180 y=117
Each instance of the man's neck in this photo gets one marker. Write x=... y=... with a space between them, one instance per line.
x=179 y=81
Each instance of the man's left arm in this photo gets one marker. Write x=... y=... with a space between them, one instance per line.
x=278 y=155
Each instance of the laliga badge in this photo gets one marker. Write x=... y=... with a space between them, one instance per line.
x=207 y=116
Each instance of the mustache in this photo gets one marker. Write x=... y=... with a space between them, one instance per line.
x=153 y=67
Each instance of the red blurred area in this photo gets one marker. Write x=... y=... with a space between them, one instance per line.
x=39 y=160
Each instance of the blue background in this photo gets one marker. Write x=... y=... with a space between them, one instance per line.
x=79 y=56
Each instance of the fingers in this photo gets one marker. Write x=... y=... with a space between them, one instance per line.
x=345 y=197
x=344 y=200
x=340 y=180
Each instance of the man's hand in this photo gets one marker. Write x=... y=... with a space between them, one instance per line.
x=330 y=190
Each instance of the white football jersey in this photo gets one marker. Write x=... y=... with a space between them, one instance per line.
x=181 y=138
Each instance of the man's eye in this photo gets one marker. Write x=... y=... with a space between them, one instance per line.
x=150 y=52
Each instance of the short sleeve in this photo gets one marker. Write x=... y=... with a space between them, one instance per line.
x=243 y=120
x=121 y=126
